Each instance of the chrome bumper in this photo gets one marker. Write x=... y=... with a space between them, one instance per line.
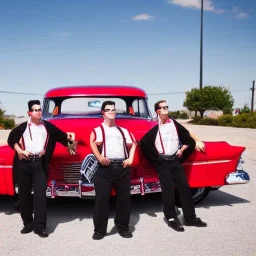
x=239 y=176
x=87 y=189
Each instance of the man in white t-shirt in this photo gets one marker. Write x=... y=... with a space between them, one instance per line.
x=114 y=148
x=166 y=145
x=34 y=142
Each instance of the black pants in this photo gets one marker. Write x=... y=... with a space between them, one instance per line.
x=105 y=179
x=31 y=174
x=171 y=173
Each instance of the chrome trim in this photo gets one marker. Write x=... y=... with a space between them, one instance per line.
x=238 y=177
x=206 y=162
x=70 y=172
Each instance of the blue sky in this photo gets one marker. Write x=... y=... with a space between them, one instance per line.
x=151 y=44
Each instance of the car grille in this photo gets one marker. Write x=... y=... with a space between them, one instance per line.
x=70 y=172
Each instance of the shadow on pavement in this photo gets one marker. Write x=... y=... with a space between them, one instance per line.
x=62 y=210
x=220 y=198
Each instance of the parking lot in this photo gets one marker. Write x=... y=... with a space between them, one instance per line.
x=229 y=212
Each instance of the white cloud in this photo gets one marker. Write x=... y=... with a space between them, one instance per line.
x=239 y=14
x=61 y=34
x=242 y=15
x=196 y=4
x=143 y=16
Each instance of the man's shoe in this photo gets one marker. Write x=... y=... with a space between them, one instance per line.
x=42 y=233
x=27 y=229
x=197 y=222
x=125 y=233
x=176 y=225
x=98 y=236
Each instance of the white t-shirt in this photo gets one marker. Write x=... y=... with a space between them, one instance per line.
x=34 y=137
x=114 y=147
x=167 y=133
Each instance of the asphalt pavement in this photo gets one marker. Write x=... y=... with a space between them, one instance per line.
x=229 y=212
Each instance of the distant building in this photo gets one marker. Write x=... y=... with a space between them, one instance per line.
x=20 y=119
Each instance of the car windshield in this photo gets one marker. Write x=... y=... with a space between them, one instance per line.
x=74 y=107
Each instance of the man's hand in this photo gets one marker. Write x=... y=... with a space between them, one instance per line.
x=72 y=147
x=104 y=161
x=127 y=163
x=42 y=153
x=23 y=154
x=200 y=146
x=179 y=153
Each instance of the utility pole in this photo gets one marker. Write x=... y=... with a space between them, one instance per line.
x=253 y=89
x=201 y=46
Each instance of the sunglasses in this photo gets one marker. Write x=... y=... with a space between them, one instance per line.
x=164 y=108
x=109 y=110
x=36 y=110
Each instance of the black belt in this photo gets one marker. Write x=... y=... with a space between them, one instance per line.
x=32 y=158
x=117 y=162
x=114 y=162
x=167 y=157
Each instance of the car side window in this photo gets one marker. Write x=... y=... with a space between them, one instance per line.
x=139 y=108
x=49 y=109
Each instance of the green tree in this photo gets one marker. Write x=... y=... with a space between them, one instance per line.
x=6 y=123
x=245 y=109
x=209 y=98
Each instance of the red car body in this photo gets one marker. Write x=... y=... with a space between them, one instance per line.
x=76 y=109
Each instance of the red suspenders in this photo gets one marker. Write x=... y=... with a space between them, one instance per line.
x=124 y=143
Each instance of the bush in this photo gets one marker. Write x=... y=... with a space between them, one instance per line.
x=204 y=121
x=196 y=120
x=183 y=115
x=225 y=120
x=209 y=121
x=246 y=120
x=8 y=123
x=174 y=114
x=245 y=109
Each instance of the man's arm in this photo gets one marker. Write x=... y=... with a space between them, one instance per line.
x=14 y=139
x=94 y=147
x=188 y=143
x=199 y=144
x=62 y=138
x=147 y=147
x=127 y=162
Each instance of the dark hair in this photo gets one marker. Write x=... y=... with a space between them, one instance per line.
x=107 y=102
x=33 y=102
x=158 y=103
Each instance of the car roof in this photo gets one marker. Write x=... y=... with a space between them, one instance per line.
x=97 y=90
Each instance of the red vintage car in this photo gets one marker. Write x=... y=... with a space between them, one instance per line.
x=76 y=110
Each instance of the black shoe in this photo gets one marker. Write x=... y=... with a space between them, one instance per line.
x=27 y=229
x=197 y=222
x=41 y=232
x=176 y=225
x=125 y=233
x=98 y=236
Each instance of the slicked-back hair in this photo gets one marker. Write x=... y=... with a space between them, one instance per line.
x=33 y=102
x=107 y=102
x=158 y=103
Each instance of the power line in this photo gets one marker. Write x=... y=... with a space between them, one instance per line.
x=24 y=93
x=165 y=93
x=161 y=93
